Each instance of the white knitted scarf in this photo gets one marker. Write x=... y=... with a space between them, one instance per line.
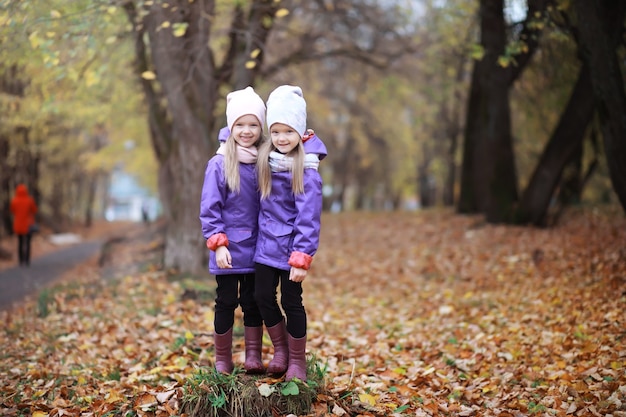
x=280 y=162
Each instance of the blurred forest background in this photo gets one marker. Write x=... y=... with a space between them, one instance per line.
x=511 y=109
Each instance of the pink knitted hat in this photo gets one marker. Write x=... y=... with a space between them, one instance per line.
x=242 y=102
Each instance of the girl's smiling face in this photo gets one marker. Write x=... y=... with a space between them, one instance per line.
x=247 y=130
x=284 y=137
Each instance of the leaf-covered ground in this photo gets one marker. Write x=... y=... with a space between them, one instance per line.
x=414 y=314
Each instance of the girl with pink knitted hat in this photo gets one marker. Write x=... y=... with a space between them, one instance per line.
x=228 y=213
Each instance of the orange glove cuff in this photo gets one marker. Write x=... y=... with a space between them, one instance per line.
x=300 y=260
x=217 y=240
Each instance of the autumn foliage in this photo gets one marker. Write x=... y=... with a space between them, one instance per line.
x=420 y=314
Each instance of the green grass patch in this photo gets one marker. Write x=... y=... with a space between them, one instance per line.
x=211 y=394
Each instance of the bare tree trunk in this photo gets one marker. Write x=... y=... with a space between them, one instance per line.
x=560 y=149
x=57 y=219
x=11 y=83
x=574 y=180
x=189 y=84
x=571 y=180
x=598 y=47
x=453 y=133
x=92 y=184
x=341 y=170
x=489 y=177
x=469 y=198
x=424 y=178
x=5 y=187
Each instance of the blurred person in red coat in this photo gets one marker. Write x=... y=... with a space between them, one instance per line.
x=23 y=208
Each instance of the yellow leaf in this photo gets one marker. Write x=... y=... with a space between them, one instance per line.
x=114 y=396
x=40 y=393
x=477 y=52
x=188 y=335
x=111 y=10
x=55 y=14
x=91 y=78
x=367 y=399
x=165 y=24
x=181 y=362
x=250 y=64
x=148 y=75
x=281 y=12
x=255 y=53
x=39 y=414
x=34 y=40
x=179 y=29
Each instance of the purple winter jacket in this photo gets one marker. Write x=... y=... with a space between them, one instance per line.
x=235 y=214
x=291 y=223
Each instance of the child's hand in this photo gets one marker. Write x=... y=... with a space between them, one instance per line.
x=223 y=258
x=297 y=274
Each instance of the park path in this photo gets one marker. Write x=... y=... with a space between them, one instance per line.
x=16 y=283
x=52 y=263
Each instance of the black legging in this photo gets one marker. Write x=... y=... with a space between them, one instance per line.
x=232 y=291
x=267 y=279
x=23 y=248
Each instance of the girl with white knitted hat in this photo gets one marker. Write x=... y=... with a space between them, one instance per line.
x=229 y=211
x=289 y=225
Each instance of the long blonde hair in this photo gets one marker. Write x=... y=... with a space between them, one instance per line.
x=231 y=162
x=265 y=172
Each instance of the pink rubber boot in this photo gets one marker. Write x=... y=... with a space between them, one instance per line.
x=278 y=334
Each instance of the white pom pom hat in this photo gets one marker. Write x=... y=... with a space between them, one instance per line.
x=286 y=105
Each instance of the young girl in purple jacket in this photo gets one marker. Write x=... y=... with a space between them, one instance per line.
x=289 y=225
x=229 y=211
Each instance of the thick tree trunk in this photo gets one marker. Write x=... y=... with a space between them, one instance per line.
x=189 y=84
x=183 y=163
x=489 y=176
x=566 y=139
x=489 y=179
x=468 y=199
x=598 y=48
